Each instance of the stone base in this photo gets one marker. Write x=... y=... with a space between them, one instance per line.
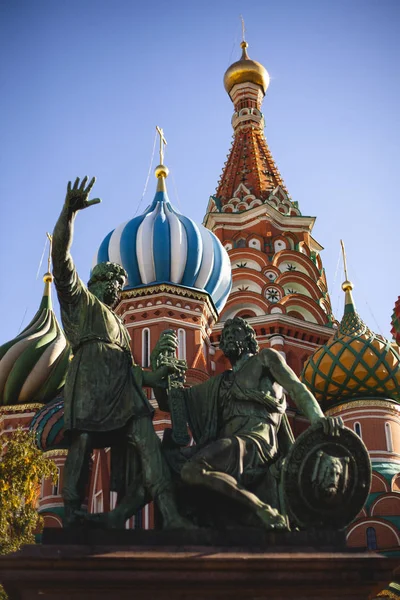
x=186 y=572
x=235 y=539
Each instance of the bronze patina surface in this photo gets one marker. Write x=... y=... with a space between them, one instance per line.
x=104 y=401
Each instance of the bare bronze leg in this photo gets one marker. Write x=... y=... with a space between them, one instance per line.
x=76 y=474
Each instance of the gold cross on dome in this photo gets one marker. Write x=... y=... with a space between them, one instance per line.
x=163 y=142
x=243 y=29
x=50 y=238
x=344 y=259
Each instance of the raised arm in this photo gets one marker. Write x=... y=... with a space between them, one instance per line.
x=303 y=398
x=76 y=199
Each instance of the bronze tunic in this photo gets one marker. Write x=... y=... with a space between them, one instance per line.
x=103 y=388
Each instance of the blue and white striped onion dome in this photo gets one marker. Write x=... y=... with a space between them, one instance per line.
x=164 y=246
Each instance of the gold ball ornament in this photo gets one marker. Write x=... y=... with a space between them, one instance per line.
x=161 y=171
x=246 y=70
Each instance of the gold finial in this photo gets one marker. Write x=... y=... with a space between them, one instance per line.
x=347 y=286
x=50 y=238
x=243 y=29
x=48 y=277
x=243 y=44
x=161 y=171
x=163 y=142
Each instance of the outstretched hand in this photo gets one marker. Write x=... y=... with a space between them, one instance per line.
x=77 y=196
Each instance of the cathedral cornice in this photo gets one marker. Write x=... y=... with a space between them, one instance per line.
x=285 y=320
x=154 y=290
x=251 y=217
x=370 y=403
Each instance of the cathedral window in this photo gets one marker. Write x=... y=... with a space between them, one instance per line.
x=272 y=295
x=357 y=429
x=113 y=500
x=138 y=521
x=146 y=347
x=389 y=440
x=56 y=484
x=279 y=245
x=97 y=503
x=371 y=539
x=182 y=344
x=254 y=243
x=271 y=275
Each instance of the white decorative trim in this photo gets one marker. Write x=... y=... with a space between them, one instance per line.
x=392 y=496
x=368 y=523
x=181 y=334
x=216 y=221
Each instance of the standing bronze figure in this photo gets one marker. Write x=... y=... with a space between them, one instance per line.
x=104 y=401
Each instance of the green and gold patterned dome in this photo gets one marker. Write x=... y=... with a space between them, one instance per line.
x=354 y=363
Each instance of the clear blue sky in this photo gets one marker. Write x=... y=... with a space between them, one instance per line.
x=84 y=83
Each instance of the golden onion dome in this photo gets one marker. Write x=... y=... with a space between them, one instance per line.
x=354 y=363
x=246 y=70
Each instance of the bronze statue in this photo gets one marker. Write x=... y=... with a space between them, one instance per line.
x=104 y=401
x=239 y=424
x=329 y=476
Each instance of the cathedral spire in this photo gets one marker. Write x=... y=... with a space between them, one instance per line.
x=351 y=323
x=250 y=168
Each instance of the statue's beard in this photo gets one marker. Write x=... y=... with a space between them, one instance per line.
x=110 y=296
x=233 y=349
x=330 y=490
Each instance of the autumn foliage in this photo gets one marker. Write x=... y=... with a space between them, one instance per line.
x=22 y=467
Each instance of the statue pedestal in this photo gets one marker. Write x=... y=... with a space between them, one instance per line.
x=185 y=571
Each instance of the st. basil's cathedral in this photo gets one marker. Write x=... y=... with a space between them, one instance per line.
x=253 y=257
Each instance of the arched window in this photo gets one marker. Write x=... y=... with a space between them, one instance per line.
x=146 y=347
x=56 y=484
x=113 y=500
x=371 y=539
x=182 y=344
x=254 y=243
x=357 y=429
x=139 y=519
x=279 y=245
x=389 y=440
